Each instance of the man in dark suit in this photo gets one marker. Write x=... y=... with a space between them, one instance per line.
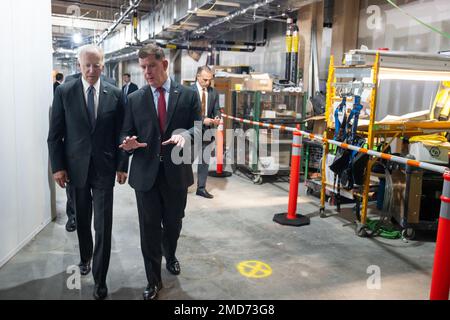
x=58 y=80
x=128 y=87
x=210 y=114
x=71 y=224
x=83 y=139
x=159 y=120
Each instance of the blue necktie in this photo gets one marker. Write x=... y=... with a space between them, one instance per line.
x=91 y=106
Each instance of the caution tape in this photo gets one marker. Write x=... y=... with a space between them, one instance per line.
x=385 y=156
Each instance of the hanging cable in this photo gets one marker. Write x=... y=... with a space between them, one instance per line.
x=445 y=34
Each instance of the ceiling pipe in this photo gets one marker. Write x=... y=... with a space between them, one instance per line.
x=135 y=25
x=122 y=57
x=268 y=18
x=328 y=13
x=209 y=48
x=133 y=5
x=241 y=43
x=232 y=16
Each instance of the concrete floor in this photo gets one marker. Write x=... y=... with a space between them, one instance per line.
x=324 y=260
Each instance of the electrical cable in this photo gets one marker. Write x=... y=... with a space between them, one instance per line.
x=443 y=33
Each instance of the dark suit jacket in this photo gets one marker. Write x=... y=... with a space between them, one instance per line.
x=132 y=88
x=141 y=120
x=77 y=76
x=56 y=84
x=72 y=142
x=213 y=103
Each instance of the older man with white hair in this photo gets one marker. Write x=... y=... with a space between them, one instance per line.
x=83 y=138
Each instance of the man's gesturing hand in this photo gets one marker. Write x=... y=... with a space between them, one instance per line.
x=175 y=139
x=131 y=143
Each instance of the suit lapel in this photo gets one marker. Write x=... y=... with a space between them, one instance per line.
x=149 y=107
x=173 y=99
x=210 y=101
x=102 y=99
x=148 y=96
x=82 y=101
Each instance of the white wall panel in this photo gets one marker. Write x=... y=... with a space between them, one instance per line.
x=8 y=184
x=383 y=26
x=26 y=64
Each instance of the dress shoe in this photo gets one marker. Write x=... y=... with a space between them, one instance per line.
x=173 y=267
x=205 y=194
x=71 y=225
x=100 y=292
x=151 y=292
x=85 y=268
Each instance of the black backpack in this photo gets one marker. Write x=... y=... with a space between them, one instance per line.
x=318 y=102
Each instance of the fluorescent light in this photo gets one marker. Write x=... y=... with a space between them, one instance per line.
x=77 y=38
x=417 y=75
x=214 y=12
x=204 y=14
x=228 y=4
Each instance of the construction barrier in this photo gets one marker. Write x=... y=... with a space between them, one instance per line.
x=385 y=156
x=440 y=282
x=219 y=173
x=291 y=218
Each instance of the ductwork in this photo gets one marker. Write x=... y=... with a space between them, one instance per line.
x=328 y=13
x=122 y=57
x=156 y=23
x=232 y=16
x=134 y=4
x=208 y=49
x=243 y=43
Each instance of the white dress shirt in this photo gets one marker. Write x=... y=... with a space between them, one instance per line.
x=200 y=92
x=86 y=87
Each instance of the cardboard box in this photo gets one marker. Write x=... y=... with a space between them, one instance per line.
x=425 y=153
x=258 y=82
x=318 y=124
x=268 y=114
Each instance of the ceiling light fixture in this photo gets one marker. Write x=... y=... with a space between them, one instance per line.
x=214 y=12
x=228 y=4
x=417 y=75
x=77 y=38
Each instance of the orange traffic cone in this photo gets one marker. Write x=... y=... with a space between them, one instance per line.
x=219 y=173
x=291 y=218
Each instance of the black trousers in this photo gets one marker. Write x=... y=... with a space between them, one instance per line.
x=161 y=211
x=203 y=165
x=92 y=196
x=70 y=205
